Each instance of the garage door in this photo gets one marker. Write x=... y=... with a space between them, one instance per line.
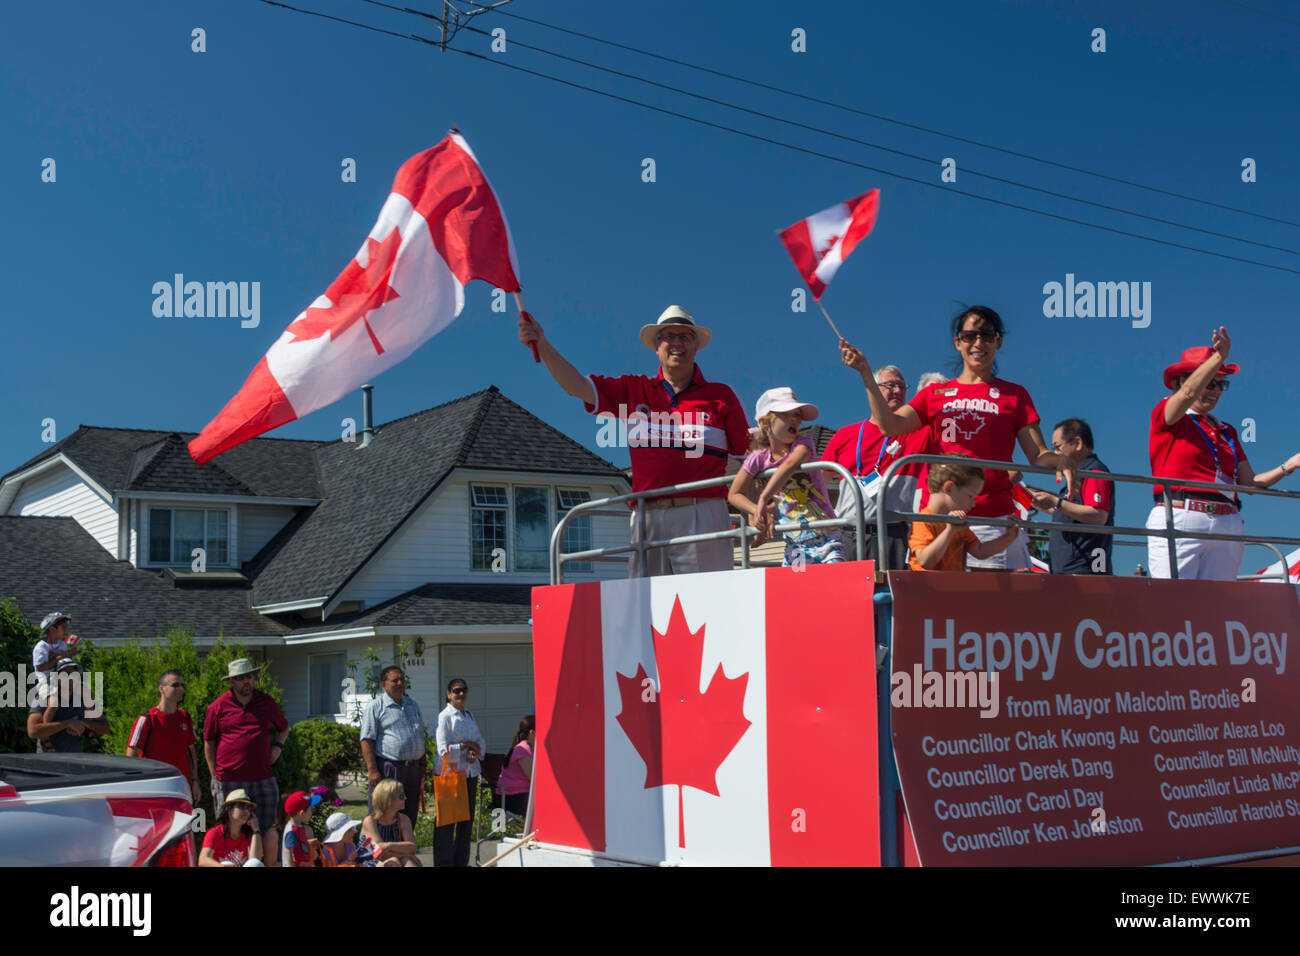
x=500 y=678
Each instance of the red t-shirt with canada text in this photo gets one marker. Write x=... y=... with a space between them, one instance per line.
x=672 y=437
x=1196 y=447
x=165 y=737
x=981 y=420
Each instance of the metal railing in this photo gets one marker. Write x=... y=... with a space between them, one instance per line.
x=743 y=532
x=1170 y=533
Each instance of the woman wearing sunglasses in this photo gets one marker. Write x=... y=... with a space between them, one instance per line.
x=1188 y=442
x=461 y=742
x=976 y=414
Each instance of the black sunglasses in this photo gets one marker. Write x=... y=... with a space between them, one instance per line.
x=1218 y=385
x=460 y=690
x=970 y=335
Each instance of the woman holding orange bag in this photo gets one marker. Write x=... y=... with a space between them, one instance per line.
x=460 y=742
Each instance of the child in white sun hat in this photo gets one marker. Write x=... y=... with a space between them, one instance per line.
x=798 y=496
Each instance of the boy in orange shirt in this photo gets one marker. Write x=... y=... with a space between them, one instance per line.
x=940 y=546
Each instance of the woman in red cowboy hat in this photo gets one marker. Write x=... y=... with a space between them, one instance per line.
x=1188 y=442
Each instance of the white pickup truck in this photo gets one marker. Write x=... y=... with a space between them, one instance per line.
x=93 y=810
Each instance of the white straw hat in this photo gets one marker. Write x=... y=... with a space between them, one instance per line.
x=673 y=315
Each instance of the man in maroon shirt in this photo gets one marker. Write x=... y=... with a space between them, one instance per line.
x=680 y=428
x=239 y=751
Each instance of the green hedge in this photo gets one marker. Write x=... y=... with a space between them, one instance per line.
x=17 y=638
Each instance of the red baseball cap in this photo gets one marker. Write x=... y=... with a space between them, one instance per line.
x=298 y=801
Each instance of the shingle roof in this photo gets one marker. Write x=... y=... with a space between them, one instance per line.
x=457 y=605
x=369 y=492
x=129 y=459
x=54 y=564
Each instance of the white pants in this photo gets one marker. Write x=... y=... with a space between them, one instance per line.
x=1015 y=557
x=664 y=523
x=1197 y=559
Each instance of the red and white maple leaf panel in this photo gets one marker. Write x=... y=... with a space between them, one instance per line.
x=717 y=719
x=440 y=227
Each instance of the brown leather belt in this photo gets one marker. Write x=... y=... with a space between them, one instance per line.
x=676 y=502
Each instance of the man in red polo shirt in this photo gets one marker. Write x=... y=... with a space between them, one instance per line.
x=239 y=750
x=167 y=733
x=680 y=428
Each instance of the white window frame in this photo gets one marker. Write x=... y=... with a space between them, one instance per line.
x=576 y=567
x=553 y=514
x=146 y=542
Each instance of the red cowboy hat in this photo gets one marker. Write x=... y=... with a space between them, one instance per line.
x=1193 y=359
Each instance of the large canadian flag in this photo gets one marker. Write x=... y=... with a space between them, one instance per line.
x=440 y=227
x=719 y=719
x=821 y=242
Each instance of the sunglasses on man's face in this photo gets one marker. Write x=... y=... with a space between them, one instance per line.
x=460 y=690
x=971 y=335
x=1218 y=385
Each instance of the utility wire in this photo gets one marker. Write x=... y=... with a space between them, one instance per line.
x=891 y=120
x=790 y=146
x=967 y=170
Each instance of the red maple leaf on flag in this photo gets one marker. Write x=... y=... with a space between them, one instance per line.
x=830 y=244
x=682 y=735
x=357 y=292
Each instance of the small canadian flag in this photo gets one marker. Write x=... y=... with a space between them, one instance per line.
x=821 y=242
x=714 y=719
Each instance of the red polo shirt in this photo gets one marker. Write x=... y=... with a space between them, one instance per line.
x=241 y=735
x=660 y=423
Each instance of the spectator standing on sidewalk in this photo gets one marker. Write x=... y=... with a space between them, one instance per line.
x=239 y=751
x=393 y=736
x=167 y=733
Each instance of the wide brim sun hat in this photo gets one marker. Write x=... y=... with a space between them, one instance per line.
x=1191 y=360
x=674 y=315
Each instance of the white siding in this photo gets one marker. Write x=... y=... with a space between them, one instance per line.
x=434 y=545
x=258 y=524
x=498 y=668
x=61 y=493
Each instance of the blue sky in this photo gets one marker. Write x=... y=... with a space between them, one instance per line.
x=225 y=166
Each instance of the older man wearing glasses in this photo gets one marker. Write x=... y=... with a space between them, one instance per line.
x=239 y=749
x=867 y=453
x=680 y=428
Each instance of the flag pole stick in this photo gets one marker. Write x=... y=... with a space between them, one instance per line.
x=523 y=314
x=825 y=313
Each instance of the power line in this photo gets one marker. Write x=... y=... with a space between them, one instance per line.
x=790 y=146
x=967 y=170
x=896 y=122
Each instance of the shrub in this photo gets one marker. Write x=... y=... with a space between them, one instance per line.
x=17 y=638
x=328 y=749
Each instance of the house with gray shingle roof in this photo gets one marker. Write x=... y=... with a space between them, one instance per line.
x=429 y=537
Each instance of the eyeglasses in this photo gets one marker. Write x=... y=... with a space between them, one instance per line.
x=460 y=690
x=175 y=683
x=242 y=677
x=676 y=336
x=971 y=335
x=893 y=386
x=1218 y=385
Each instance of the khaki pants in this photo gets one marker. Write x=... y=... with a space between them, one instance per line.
x=662 y=523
